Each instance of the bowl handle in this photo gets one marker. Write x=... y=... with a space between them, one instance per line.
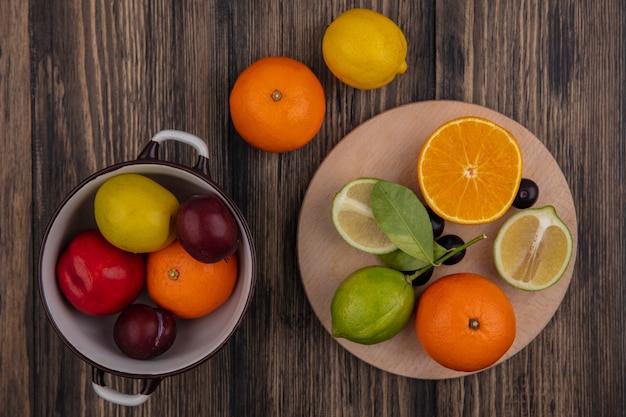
x=151 y=150
x=109 y=394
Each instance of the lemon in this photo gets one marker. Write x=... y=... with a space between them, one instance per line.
x=353 y=219
x=135 y=213
x=371 y=305
x=533 y=249
x=364 y=49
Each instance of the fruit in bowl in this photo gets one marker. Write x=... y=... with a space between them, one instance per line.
x=135 y=213
x=144 y=332
x=98 y=278
x=206 y=229
x=187 y=287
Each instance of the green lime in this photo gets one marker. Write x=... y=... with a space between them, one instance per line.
x=353 y=219
x=371 y=305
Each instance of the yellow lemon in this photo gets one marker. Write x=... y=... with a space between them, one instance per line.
x=364 y=49
x=135 y=213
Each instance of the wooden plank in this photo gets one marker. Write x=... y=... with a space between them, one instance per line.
x=301 y=370
x=550 y=66
x=110 y=75
x=59 y=75
x=16 y=285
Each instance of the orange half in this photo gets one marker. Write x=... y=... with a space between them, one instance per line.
x=469 y=170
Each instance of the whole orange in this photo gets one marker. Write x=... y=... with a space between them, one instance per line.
x=277 y=104
x=465 y=322
x=188 y=288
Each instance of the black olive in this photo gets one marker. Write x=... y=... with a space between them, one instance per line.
x=451 y=242
x=422 y=278
x=526 y=195
x=436 y=222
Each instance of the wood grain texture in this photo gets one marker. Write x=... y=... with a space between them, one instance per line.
x=84 y=84
x=16 y=289
x=548 y=66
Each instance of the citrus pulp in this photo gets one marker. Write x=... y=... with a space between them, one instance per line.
x=353 y=219
x=533 y=249
x=469 y=170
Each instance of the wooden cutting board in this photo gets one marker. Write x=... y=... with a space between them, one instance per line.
x=387 y=147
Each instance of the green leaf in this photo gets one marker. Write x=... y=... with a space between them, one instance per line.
x=403 y=218
x=439 y=251
x=401 y=261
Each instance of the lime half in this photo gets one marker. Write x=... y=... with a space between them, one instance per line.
x=353 y=219
x=533 y=249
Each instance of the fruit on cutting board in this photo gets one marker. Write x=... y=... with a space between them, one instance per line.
x=387 y=219
x=206 y=229
x=527 y=194
x=364 y=49
x=277 y=104
x=98 y=278
x=135 y=213
x=533 y=249
x=449 y=242
x=465 y=322
x=372 y=305
x=144 y=332
x=352 y=217
x=469 y=170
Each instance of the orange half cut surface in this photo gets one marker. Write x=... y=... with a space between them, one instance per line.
x=469 y=170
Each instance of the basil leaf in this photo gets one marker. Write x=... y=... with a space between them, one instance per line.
x=403 y=218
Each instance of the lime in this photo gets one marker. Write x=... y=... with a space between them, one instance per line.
x=364 y=49
x=372 y=305
x=533 y=249
x=352 y=217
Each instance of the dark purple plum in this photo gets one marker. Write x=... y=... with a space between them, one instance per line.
x=206 y=228
x=144 y=332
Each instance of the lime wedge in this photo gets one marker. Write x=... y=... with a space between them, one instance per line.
x=533 y=249
x=353 y=219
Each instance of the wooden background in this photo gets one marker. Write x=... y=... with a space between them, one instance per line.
x=84 y=84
